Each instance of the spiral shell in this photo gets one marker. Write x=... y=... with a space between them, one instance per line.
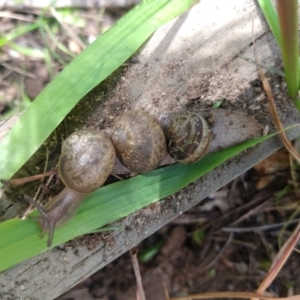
x=139 y=141
x=188 y=137
x=87 y=159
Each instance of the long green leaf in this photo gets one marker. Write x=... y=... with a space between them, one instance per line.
x=21 y=30
x=270 y=14
x=86 y=71
x=285 y=31
x=288 y=20
x=20 y=239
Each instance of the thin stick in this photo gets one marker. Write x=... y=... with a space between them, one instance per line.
x=138 y=278
x=21 y=181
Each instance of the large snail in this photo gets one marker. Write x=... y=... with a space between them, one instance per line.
x=140 y=141
x=87 y=159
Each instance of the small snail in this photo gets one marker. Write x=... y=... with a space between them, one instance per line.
x=140 y=141
x=87 y=159
x=188 y=137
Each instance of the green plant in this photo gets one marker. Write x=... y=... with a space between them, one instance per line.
x=284 y=27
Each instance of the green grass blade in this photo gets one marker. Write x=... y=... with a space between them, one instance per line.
x=270 y=14
x=32 y=52
x=285 y=31
x=21 y=30
x=108 y=204
x=288 y=21
x=87 y=70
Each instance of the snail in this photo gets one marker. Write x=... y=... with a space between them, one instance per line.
x=140 y=142
x=188 y=137
x=86 y=161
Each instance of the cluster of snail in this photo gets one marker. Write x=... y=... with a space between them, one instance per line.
x=139 y=140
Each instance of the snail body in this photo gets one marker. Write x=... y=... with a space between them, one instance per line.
x=57 y=211
x=86 y=161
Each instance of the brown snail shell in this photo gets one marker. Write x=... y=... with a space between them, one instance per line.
x=139 y=141
x=87 y=159
x=188 y=137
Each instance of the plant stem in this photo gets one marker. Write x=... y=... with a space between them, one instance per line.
x=288 y=21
